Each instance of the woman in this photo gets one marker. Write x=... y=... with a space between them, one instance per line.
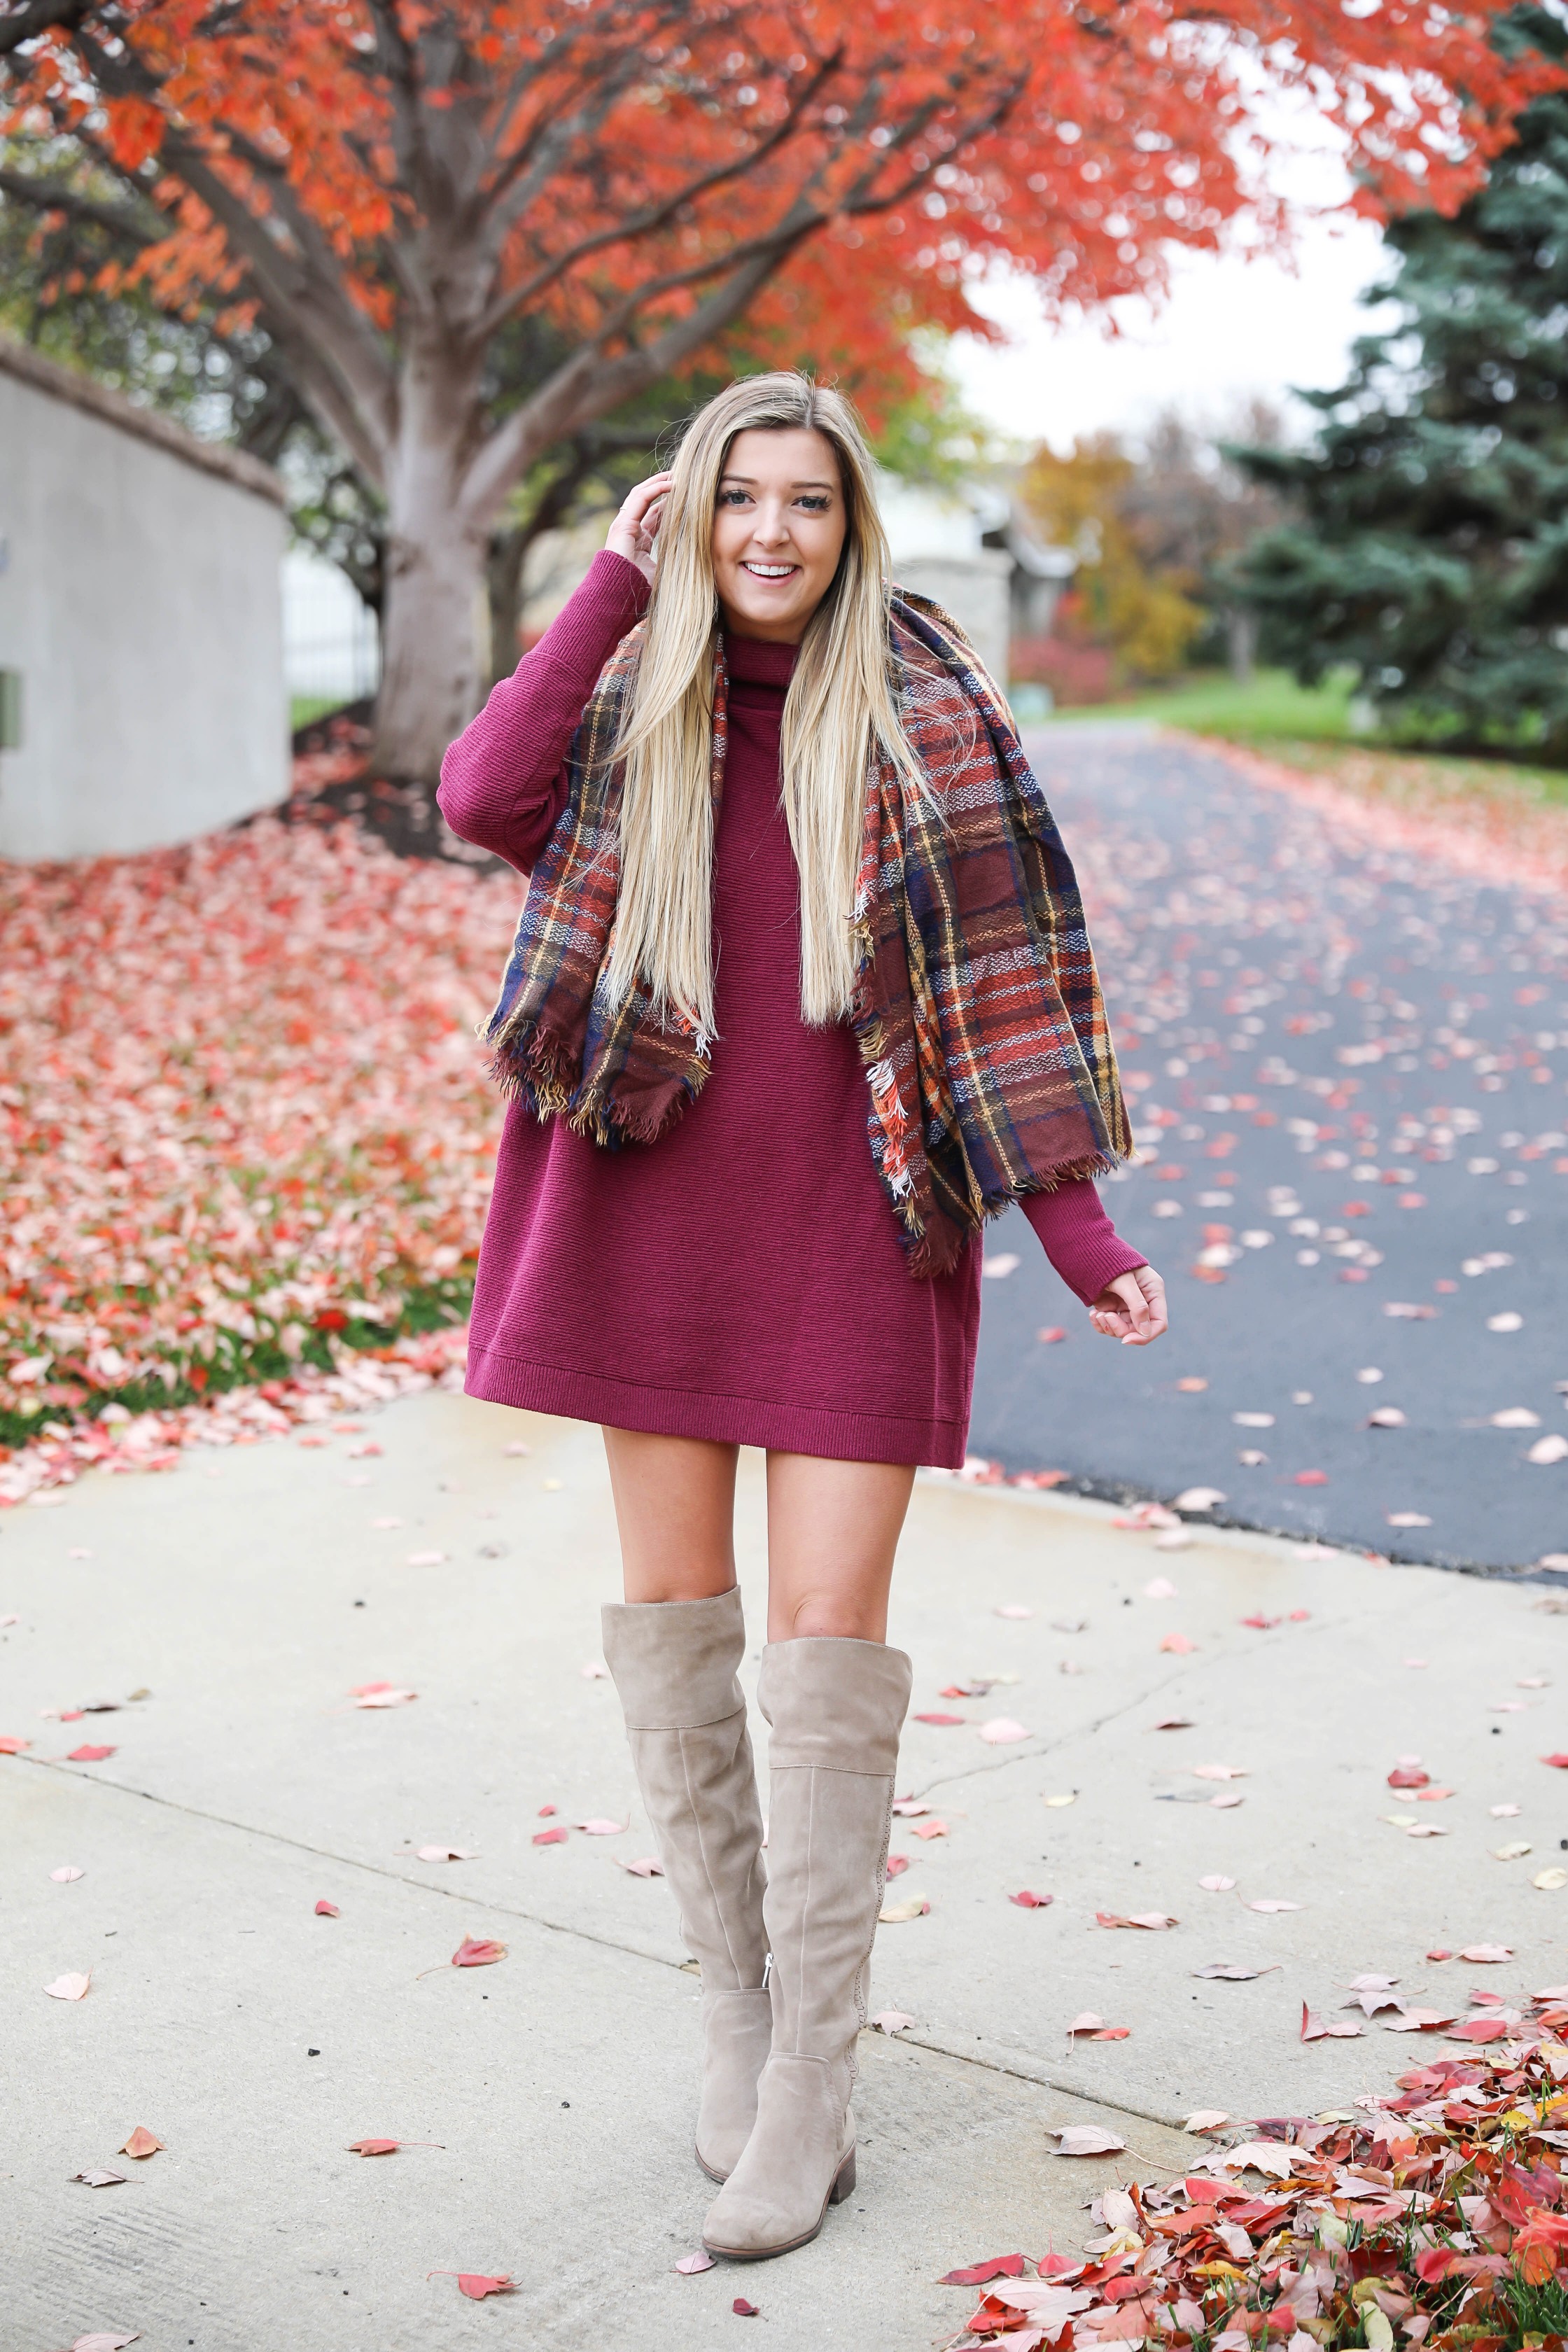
x=801 y=992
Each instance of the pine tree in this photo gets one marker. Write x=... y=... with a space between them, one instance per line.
x=1430 y=548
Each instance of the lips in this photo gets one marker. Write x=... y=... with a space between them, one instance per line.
x=770 y=572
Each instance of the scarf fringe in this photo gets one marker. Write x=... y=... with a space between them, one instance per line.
x=535 y=1066
x=933 y=1253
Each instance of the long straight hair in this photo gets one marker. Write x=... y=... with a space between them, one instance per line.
x=841 y=707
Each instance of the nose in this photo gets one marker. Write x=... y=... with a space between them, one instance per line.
x=771 y=527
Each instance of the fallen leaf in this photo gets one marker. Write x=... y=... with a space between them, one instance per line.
x=1515 y=1852
x=1173 y=1723
x=1220 y=1771
x=1095 y=2028
x=1085 y=2140
x=600 y=1827
x=1205 y=2119
x=1420 y=2020
x=913 y=1906
x=1232 y=1972
x=478 y=1952
x=1547 y=1450
x=1160 y=1589
x=1227 y=1798
x=1001 y=1729
x=1150 y=1919
x=12 y=1743
x=101 y=2343
x=1269 y=2155
x=1319 y=2028
x=1051 y=1334
x=907 y=1808
x=896 y=1865
x=1482 y=2029
x=1216 y=1884
x=998 y=2266
x=1198 y=1498
x=945 y=1719
x=1408 y=1776
x=650 y=1866
x=1561 y=1762
x=1028 y=1901
x=1178 y=1645
x=1191 y=1385
x=1271 y=1903
x=70 y=1988
x=1407 y=1518
x=88 y=1755
x=1508 y=1322
x=928 y=1830
x=141 y=2143
x=1056 y=1802
x=691 y=2264
x=445 y=1853
x=1485 y=1955
x=325 y=1910
x=740 y=2307
x=1311 y=1478
x=1549 y=1880
x=551 y=1837
x=100 y=2178
x=380 y=1695
x=475 y=2284
x=892 y=2020
x=68 y=1873
x=372 y=2147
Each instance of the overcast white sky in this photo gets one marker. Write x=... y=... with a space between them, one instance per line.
x=1232 y=328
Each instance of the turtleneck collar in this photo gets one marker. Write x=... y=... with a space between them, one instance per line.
x=758 y=662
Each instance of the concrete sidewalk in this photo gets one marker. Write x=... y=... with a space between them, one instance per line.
x=247 y=1593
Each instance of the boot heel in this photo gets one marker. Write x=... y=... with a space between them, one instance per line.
x=844 y=2182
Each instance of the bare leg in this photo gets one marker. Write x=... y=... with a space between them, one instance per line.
x=833 y=1528
x=675 y=1509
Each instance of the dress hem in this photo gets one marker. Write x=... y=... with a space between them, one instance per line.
x=728 y=1420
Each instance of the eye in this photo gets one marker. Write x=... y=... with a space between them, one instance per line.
x=815 y=504
x=732 y=498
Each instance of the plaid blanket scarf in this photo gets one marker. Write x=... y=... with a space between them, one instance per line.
x=976 y=1009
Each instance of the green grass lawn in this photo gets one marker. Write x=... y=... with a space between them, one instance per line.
x=304 y=707
x=1270 y=705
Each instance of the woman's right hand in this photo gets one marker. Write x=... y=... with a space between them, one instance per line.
x=636 y=528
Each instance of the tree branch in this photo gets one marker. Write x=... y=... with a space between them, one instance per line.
x=57 y=196
x=24 y=20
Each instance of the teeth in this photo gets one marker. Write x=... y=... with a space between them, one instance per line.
x=770 y=571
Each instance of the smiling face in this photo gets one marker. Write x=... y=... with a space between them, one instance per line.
x=779 y=522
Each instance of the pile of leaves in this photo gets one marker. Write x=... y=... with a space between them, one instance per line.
x=1438 y=2216
x=247 y=1130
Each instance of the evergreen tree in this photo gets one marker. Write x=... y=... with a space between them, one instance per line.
x=1431 y=545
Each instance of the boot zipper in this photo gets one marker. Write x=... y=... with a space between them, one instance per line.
x=767 y=1971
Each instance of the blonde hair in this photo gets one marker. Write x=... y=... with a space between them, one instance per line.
x=840 y=708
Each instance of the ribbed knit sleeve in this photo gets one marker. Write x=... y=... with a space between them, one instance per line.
x=503 y=782
x=1078 y=1238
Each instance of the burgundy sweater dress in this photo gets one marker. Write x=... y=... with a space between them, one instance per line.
x=741 y=1278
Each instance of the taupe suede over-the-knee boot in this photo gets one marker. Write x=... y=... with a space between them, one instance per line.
x=836 y=1708
x=674 y=1666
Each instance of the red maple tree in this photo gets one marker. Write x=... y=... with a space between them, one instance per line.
x=395 y=190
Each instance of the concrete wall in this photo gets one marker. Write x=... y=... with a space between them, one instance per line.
x=139 y=600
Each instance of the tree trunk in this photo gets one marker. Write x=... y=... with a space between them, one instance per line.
x=435 y=574
x=1241 y=639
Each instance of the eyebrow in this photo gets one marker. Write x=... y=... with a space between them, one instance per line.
x=749 y=481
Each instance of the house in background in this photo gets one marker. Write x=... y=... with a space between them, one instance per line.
x=142 y=693
x=969 y=551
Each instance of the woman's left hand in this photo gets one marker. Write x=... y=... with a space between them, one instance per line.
x=1132 y=1309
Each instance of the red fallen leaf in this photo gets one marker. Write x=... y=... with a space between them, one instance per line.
x=1408 y=1776
x=998 y=2266
x=141 y=2143
x=1482 y=2029
x=475 y=2284
x=478 y=1952
x=1433 y=2264
x=744 y=2310
x=1051 y=1334
x=374 y=2147
x=550 y=1837
x=88 y=1755
x=1027 y=1901
x=1178 y=1645
x=12 y=1743
x=1089 y=2027
x=1298 y=1616
x=1488 y=1955
x=938 y=1718
x=545 y=1812
x=1318 y=2029
x=1311 y=1478
x=896 y=1864
x=1561 y=1762
x=325 y=1910
x=1440 y=1952
x=1263 y=1624
x=930 y=1829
